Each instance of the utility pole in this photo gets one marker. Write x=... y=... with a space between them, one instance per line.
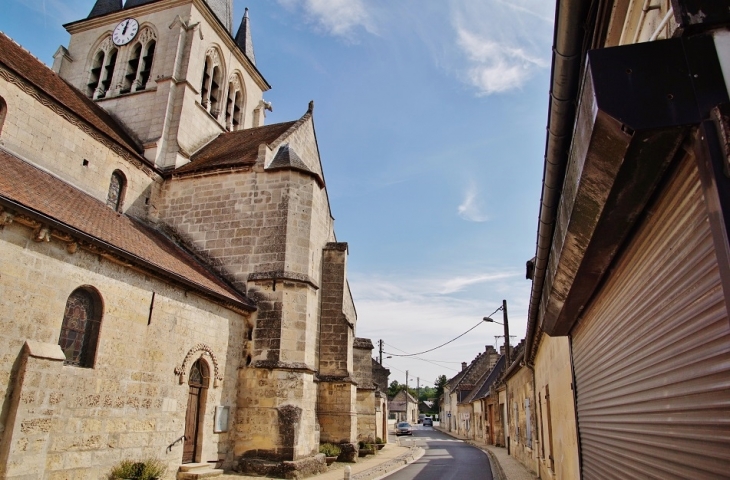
x=407 y=396
x=418 y=396
x=506 y=333
x=380 y=345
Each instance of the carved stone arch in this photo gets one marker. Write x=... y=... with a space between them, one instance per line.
x=181 y=371
x=214 y=54
x=212 y=87
x=235 y=102
x=146 y=33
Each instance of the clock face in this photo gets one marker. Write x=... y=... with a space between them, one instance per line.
x=125 y=31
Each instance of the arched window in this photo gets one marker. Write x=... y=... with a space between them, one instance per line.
x=95 y=74
x=210 y=90
x=3 y=112
x=146 y=66
x=108 y=72
x=101 y=72
x=80 y=328
x=117 y=188
x=132 y=66
x=234 y=104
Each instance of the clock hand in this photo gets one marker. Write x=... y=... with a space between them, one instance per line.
x=124 y=30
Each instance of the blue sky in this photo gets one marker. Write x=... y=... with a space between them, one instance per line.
x=430 y=117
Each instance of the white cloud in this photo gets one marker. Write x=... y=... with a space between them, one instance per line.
x=456 y=284
x=335 y=17
x=503 y=53
x=496 y=67
x=471 y=209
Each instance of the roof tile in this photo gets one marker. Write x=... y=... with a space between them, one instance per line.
x=45 y=195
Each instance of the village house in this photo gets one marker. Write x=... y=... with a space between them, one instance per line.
x=454 y=409
x=172 y=286
x=403 y=407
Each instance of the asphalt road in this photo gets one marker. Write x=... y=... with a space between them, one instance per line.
x=446 y=458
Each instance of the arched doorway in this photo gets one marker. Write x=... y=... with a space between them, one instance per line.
x=197 y=386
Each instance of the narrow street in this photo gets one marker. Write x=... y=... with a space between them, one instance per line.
x=446 y=458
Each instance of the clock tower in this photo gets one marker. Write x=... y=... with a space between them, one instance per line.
x=172 y=71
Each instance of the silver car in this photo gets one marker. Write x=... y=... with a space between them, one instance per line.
x=403 y=428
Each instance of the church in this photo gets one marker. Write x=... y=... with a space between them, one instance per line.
x=171 y=283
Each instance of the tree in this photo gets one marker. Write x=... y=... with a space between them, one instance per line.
x=440 y=383
x=394 y=388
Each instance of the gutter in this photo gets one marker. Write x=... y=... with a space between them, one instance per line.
x=565 y=74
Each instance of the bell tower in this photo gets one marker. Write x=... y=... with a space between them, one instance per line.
x=172 y=72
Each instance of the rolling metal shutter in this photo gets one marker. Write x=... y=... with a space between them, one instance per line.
x=652 y=351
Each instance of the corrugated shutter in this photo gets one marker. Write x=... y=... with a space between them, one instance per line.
x=652 y=352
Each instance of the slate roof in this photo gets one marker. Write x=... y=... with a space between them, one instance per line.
x=486 y=381
x=25 y=65
x=45 y=197
x=233 y=149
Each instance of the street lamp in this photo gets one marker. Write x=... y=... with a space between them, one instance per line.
x=506 y=330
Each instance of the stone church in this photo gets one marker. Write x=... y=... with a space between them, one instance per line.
x=171 y=284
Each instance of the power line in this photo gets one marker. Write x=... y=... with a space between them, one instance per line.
x=444 y=344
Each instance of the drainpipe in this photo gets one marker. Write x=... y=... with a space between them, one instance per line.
x=570 y=16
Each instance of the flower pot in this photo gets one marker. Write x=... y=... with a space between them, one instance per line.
x=330 y=460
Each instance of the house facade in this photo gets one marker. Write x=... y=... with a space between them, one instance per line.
x=173 y=287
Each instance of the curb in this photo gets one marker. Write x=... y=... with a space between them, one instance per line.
x=497 y=470
x=381 y=471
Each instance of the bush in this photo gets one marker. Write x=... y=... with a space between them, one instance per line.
x=379 y=440
x=150 y=469
x=330 y=450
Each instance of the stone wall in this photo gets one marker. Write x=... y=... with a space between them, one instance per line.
x=74 y=422
x=521 y=413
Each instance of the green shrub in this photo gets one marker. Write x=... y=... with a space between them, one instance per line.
x=361 y=444
x=378 y=440
x=150 y=469
x=330 y=450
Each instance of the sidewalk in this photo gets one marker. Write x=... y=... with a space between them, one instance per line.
x=391 y=458
x=504 y=467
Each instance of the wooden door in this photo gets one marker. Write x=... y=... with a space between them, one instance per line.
x=196 y=396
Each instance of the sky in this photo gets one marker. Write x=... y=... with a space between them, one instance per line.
x=430 y=117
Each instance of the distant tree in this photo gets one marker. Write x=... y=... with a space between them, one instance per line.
x=394 y=388
x=440 y=383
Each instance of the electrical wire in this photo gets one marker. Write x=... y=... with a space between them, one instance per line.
x=443 y=344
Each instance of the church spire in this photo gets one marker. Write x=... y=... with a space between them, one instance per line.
x=102 y=7
x=243 y=38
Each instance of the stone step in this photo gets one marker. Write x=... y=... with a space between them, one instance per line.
x=193 y=471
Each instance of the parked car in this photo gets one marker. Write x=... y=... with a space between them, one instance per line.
x=403 y=428
x=428 y=422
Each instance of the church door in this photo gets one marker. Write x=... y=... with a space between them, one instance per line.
x=198 y=384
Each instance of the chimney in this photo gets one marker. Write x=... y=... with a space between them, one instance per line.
x=463 y=366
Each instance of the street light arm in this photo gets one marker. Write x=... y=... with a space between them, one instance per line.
x=491 y=320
